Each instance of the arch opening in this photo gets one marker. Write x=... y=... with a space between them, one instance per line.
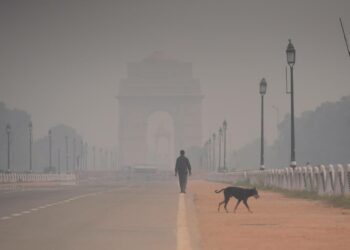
x=160 y=140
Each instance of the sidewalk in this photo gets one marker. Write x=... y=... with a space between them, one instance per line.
x=277 y=222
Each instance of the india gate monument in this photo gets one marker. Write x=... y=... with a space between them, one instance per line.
x=160 y=112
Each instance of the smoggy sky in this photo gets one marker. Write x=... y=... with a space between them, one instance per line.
x=62 y=60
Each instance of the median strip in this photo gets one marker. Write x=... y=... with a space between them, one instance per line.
x=183 y=237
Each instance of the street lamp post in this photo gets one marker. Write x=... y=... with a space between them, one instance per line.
x=263 y=87
x=209 y=155
x=214 y=162
x=67 y=162
x=30 y=126
x=220 y=140
x=74 y=161
x=81 y=154
x=59 y=161
x=101 y=158
x=8 y=132
x=291 y=61
x=116 y=158
x=204 y=156
x=224 y=126
x=50 y=150
x=93 y=157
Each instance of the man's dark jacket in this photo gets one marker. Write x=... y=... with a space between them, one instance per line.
x=182 y=166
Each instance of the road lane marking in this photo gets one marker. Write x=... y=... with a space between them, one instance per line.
x=183 y=237
x=49 y=205
x=8 y=192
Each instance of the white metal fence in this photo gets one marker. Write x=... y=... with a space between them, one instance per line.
x=31 y=177
x=325 y=180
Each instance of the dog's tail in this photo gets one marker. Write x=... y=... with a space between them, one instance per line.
x=219 y=191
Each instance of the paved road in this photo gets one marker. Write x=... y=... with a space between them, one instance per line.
x=128 y=216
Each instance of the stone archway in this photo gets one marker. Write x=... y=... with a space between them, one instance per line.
x=157 y=83
x=160 y=140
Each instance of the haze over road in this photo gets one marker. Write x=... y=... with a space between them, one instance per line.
x=129 y=216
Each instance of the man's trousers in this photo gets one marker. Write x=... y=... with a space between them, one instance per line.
x=183 y=182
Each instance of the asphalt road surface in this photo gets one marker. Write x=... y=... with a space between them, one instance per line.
x=128 y=216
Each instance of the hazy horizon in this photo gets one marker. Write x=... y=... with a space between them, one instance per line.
x=61 y=61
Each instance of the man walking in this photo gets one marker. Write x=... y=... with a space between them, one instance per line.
x=183 y=168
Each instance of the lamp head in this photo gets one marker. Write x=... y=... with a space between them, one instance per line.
x=263 y=86
x=8 y=128
x=290 y=54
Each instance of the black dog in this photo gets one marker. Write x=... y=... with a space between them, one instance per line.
x=241 y=194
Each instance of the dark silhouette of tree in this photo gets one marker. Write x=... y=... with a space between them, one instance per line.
x=322 y=137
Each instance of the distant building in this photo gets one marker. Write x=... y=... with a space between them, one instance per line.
x=158 y=90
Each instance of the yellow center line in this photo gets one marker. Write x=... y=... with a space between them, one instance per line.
x=183 y=237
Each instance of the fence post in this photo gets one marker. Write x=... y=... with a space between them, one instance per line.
x=322 y=180
x=339 y=180
x=347 y=179
x=329 y=187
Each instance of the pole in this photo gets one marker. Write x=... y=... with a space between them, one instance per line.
x=30 y=146
x=67 y=163
x=50 y=149
x=209 y=155
x=220 y=135
x=225 y=128
x=8 y=130
x=214 y=152
x=116 y=158
x=59 y=161
x=292 y=160
x=346 y=40
x=74 y=154
x=262 y=167
x=93 y=157
x=81 y=154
